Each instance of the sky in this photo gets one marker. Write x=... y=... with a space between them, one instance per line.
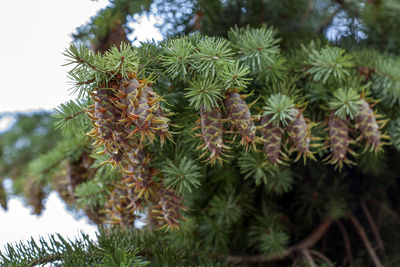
x=33 y=36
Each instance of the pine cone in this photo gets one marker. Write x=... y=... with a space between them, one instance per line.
x=339 y=141
x=141 y=108
x=368 y=126
x=240 y=117
x=271 y=139
x=300 y=133
x=121 y=206
x=212 y=133
x=138 y=174
x=169 y=207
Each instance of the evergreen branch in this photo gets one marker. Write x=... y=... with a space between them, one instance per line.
x=254 y=46
x=386 y=79
x=92 y=193
x=281 y=109
x=346 y=102
x=81 y=56
x=234 y=75
x=308 y=257
x=347 y=244
x=211 y=55
x=322 y=257
x=329 y=61
x=69 y=118
x=181 y=176
x=176 y=56
x=33 y=254
x=361 y=232
x=306 y=243
x=46 y=259
x=204 y=92
x=307 y=13
x=254 y=165
x=372 y=225
x=386 y=208
x=43 y=166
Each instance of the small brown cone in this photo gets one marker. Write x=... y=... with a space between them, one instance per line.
x=300 y=134
x=271 y=139
x=121 y=206
x=169 y=208
x=240 y=117
x=339 y=141
x=141 y=108
x=369 y=128
x=212 y=133
x=138 y=174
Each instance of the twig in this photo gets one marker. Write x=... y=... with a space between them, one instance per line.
x=308 y=11
x=308 y=257
x=347 y=243
x=321 y=256
x=386 y=209
x=306 y=243
x=296 y=261
x=46 y=259
x=373 y=225
x=365 y=240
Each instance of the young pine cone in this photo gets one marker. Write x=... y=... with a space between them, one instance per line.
x=339 y=141
x=271 y=139
x=369 y=127
x=300 y=134
x=240 y=117
x=212 y=133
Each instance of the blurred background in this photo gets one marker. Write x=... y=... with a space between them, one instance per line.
x=34 y=83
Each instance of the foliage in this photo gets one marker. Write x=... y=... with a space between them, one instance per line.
x=201 y=135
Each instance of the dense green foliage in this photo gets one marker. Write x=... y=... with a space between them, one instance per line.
x=254 y=139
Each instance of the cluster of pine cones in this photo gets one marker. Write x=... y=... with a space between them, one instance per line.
x=243 y=124
x=368 y=128
x=298 y=130
x=127 y=115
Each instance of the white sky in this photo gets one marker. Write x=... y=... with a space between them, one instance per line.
x=18 y=224
x=33 y=36
x=34 y=33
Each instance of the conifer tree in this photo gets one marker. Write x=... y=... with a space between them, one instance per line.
x=248 y=137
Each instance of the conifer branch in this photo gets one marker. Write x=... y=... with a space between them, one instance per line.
x=308 y=257
x=372 y=223
x=387 y=209
x=306 y=243
x=363 y=235
x=307 y=13
x=45 y=259
x=347 y=244
x=321 y=256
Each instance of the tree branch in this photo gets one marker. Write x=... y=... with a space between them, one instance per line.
x=307 y=12
x=347 y=243
x=46 y=259
x=306 y=243
x=387 y=209
x=321 y=256
x=308 y=257
x=364 y=238
x=373 y=225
